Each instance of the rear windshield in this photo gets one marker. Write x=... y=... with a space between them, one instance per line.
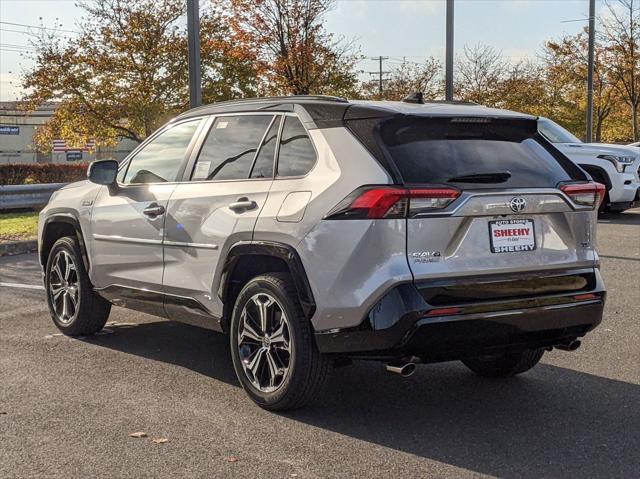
x=472 y=153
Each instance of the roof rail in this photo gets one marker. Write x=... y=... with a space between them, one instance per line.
x=336 y=99
x=453 y=102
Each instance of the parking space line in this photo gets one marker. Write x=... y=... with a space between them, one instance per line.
x=23 y=286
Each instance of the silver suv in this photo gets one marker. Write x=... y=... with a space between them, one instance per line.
x=316 y=230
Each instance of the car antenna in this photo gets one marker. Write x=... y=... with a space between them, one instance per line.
x=415 y=97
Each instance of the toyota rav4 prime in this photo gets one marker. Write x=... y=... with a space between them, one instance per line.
x=316 y=230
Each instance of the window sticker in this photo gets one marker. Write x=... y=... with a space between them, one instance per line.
x=222 y=125
x=202 y=170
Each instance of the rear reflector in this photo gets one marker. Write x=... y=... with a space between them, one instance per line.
x=378 y=202
x=443 y=312
x=585 y=194
x=585 y=297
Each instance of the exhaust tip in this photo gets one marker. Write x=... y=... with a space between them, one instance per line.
x=408 y=369
x=570 y=346
x=403 y=369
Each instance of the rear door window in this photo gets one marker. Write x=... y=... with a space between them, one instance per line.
x=230 y=147
x=471 y=153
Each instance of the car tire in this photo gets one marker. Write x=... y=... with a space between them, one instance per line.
x=504 y=365
x=604 y=205
x=274 y=353
x=76 y=309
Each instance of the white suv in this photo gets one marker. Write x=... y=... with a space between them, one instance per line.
x=615 y=166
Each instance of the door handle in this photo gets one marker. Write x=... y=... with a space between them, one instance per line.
x=153 y=210
x=243 y=204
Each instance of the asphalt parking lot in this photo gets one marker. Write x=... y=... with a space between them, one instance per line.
x=67 y=406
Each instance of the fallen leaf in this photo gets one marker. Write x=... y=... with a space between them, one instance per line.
x=160 y=440
x=138 y=434
x=232 y=459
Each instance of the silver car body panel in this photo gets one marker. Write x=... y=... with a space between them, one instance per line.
x=125 y=245
x=201 y=228
x=458 y=243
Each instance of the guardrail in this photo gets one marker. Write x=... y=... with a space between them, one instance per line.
x=14 y=197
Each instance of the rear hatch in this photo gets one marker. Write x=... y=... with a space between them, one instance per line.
x=489 y=196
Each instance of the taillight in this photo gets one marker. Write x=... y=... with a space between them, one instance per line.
x=585 y=194
x=378 y=202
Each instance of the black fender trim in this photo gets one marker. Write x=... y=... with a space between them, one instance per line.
x=280 y=251
x=72 y=220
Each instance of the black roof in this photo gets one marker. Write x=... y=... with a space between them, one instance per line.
x=329 y=111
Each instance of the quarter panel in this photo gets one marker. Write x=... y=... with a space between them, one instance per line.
x=351 y=264
x=348 y=263
x=343 y=165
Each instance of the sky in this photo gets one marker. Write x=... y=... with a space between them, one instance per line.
x=400 y=29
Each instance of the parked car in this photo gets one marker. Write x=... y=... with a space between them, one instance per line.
x=615 y=166
x=315 y=230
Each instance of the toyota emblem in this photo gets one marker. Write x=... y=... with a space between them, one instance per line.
x=518 y=204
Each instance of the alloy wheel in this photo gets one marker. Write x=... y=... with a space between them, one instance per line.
x=63 y=287
x=264 y=344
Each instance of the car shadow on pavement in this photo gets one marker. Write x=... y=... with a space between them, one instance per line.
x=550 y=422
x=627 y=218
x=198 y=349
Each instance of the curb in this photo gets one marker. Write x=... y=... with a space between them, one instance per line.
x=18 y=247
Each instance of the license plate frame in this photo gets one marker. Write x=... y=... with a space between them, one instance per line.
x=520 y=243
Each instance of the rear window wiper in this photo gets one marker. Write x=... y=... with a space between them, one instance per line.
x=499 y=177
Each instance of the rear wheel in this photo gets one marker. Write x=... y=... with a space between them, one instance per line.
x=504 y=365
x=274 y=354
x=75 y=308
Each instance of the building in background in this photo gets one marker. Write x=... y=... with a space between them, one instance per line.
x=17 y=129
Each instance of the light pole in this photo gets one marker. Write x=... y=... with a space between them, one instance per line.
x=193 y=30
x=592 y=36
x=448 y=74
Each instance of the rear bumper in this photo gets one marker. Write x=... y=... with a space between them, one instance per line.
x=408 y=327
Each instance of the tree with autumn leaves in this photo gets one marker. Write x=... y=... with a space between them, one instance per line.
x=125 y=72
x=296 y=54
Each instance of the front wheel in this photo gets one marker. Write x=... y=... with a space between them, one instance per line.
x=504 y=365
x=274 y=355
x=75 y=308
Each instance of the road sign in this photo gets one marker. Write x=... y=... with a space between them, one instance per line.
x=9 y=130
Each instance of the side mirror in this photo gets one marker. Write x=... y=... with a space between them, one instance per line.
x=103 y=172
